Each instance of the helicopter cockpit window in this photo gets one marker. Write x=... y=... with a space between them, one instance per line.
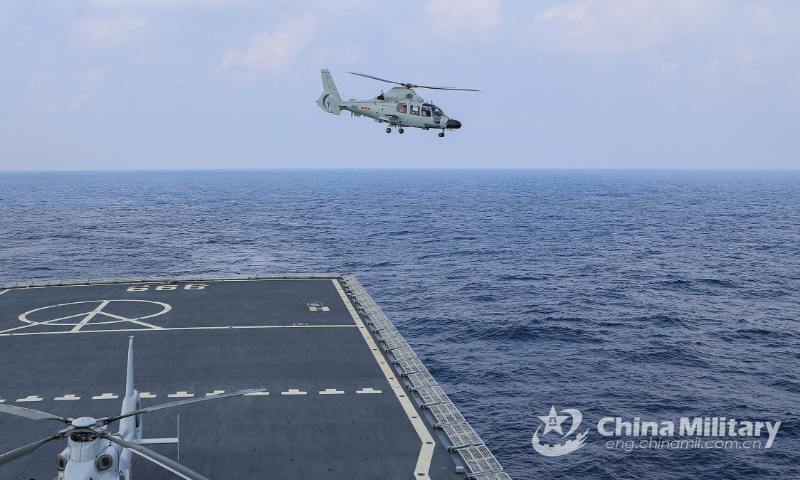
x=426 y=111
x=437 y=112
x=414 y=109
x=402 y=108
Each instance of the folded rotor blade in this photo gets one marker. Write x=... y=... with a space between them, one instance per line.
x=182 y=402
x=375 y=78
x=30 y=413
x=159 y=460
x=22 y=452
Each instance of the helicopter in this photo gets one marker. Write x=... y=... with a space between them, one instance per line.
x=399 y=107
x=93 y=452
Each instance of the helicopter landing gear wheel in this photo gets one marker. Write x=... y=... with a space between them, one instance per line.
x=400 y=130
x=441 y=134
x=388 y=129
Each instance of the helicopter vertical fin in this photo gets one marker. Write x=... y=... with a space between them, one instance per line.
x=130 y=428
x=329 y=100
x=129 y=376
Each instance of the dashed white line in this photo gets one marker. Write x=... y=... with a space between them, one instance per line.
x=30 y=398
x=185 y=394
x=105 y=396
x=181 y=394
x=368 y=390
x=293 y=391
x=167 y=329
x=67 y=397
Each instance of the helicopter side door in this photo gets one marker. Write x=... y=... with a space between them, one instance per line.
x=414 y=116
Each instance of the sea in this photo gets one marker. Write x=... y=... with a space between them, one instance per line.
x=625 y=296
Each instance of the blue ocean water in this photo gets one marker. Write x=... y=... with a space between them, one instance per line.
x=657 y=295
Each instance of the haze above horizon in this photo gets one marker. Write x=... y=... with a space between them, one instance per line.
x=232 y=84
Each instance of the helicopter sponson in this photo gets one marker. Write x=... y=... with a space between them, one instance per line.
x=399 y=107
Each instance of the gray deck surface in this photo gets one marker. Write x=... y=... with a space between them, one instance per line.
x=201 y=346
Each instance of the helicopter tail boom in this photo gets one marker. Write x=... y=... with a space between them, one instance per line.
x=329 y=100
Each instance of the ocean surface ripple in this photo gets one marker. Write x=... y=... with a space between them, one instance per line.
x=650 y=294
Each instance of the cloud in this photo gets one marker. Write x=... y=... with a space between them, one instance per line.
x=94 y=77
x=458 y=16
x=167 y=3
x=219 y=4
x=272 y=51
x=606 y=26
x=110 y=32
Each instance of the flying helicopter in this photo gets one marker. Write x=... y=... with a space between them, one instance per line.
x=93 y=452
x=399 y=107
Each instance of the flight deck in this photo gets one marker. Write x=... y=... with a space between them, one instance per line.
x=346 y=397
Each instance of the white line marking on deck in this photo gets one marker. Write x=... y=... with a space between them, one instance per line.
x=215 y=392
x=67 y=397
x=2 y=292
x=293 y=391
x=331 y=391
x=319 y=309
x=368 y=390
x=428 y=444
x=181 y=394
x=2 y=400
x=167 y=329
x=146 y=395
x=30 y=398
x=255 y=393
x=105 y=396
x=87 y=316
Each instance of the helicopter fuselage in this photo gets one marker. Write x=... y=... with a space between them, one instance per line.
x=401 y=107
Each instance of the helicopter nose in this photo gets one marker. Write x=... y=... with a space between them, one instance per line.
x=453 y=124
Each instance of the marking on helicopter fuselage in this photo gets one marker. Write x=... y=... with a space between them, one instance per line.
x=426 y=450
x=67 y=397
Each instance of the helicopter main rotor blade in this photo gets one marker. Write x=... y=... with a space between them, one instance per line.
x=181 y=402
x=411 y=85
x=31 y=413
x=23 y=451
x=159 y=460
x=448 y=88
x=407 y=85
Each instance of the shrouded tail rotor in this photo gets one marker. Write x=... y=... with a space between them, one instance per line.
x=329 y=100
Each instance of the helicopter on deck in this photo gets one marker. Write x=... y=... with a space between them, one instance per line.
x=399 y=107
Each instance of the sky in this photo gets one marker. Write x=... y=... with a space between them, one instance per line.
x=233 y=84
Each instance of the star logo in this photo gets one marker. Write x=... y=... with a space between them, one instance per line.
x=552 y=423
